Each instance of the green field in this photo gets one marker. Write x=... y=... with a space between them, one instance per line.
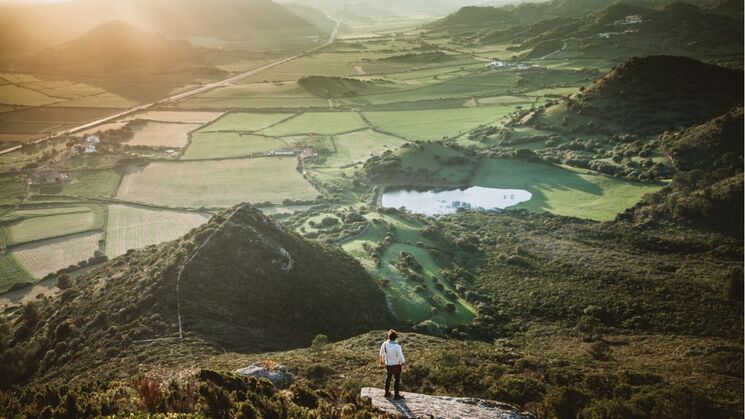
x=131 y=227
x=318 y=123
x=436 y=124
x=11 y=272
x=242 y=121
x=216 y=183
x=359 y=146
x=44 y=257
x=31 y=225
x=12 y=190
x=14 y=95
x=86 y=184
x=562 y=191
x=220 y=145
x=409 y=304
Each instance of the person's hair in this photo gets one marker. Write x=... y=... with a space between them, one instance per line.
x=392 y=335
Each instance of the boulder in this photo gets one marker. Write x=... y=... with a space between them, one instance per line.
x=441 y=407
x=278 y=374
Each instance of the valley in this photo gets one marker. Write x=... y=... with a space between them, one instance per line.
x=551 y=189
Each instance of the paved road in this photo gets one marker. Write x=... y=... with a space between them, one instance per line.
x=193 y=92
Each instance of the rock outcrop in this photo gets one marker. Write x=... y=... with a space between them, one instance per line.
x=278 y=374
x=441 y=407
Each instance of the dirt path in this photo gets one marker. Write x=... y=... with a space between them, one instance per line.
x=46 y=287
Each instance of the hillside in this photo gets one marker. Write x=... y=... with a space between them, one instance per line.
x=251 y=286
x=115 y=46
x=45 y=25
x=472 y=19
x=708 y=188
x=646 y=96
x=674 y=29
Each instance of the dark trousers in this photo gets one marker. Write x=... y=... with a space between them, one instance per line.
x=395 y=371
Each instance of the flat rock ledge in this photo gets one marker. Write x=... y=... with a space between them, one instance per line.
x=422 y=406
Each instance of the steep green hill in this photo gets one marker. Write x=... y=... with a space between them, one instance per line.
x=248 y=285
x=646 y=96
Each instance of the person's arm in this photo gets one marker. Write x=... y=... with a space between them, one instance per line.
x=401 y=355
x=381 y=355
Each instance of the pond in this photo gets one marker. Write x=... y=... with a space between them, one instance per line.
x=440 y=201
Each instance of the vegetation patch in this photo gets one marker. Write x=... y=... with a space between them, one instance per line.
x=220 y=145
x=162 y=134
x=49 y=256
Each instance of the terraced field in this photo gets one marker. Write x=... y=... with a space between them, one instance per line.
x=131 y=227
x=216 y=183
x=42 y=258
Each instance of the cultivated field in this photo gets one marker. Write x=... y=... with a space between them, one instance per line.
x=359 y=146
x=14 y=95
x=85 y=184
x=243 y=121
x=435 y=124
x=12 y=189
x=220 y=145
x=318 y=123
x=131 y=227
x=11 y=272
x=175 y=116
x=216 y=183
x=162 y=134
x=32 y=225
x=42 y=258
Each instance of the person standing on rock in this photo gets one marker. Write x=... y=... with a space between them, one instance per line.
x=392 y=358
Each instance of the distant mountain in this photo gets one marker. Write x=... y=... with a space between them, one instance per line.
x=475 y=19
x=646 y=96
x=44 y=25
x=249 y=285
x=624 y=30
x=115 y=46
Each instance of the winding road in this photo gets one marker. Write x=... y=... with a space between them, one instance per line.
x=193 y=92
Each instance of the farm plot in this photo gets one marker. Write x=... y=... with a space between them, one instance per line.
x=11 y=272
x=48 y=256
x=221 y=145
x=87 y=184
x=103 y=100
x=131 y=227
x=318 y=123
x=185 y=117
x=216 y=183
x=162 y=134
x=359 y=146
x=243 y=121
x=436 y=123
x=12 y=190
x=31 y=225
x=14 y=95
x=255 y=96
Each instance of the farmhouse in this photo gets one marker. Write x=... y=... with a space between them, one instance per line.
x=47 y=177
x=307 y=153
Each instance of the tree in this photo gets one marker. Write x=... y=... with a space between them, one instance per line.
x=64 y=282
x=319 y=342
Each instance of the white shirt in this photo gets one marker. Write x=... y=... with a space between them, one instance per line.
x=392 y=353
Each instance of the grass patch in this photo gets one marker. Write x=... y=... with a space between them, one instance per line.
x=561 y=191
x=318 y=123
x=216 y=183
x=359 y=146
x=15 y=95
x=436 y=123
x=220 y=145
x=11 y=272
x=85 y=184
x=243 y=121
x=162 y=134
x=12 y=190
x=31 y=225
